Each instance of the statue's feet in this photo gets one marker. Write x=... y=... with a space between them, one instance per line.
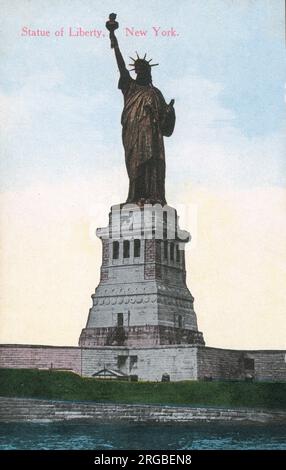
x=142 y=201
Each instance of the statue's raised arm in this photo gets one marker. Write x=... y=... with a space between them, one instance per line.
x=112 y=25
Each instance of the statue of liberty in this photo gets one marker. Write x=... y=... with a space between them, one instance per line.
x=146 y=118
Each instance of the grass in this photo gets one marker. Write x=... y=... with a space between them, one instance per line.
x=32 y=383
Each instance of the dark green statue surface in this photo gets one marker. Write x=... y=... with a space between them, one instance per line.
x=146 y=118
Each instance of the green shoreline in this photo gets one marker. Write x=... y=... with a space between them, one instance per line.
x=60 y=385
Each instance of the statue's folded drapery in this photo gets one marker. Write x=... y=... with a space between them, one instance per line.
x=146 y=118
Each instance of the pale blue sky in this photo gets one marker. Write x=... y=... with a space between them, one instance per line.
x=62 y=162
x=226 y=71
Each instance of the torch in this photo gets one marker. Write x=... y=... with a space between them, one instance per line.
x=112 y=25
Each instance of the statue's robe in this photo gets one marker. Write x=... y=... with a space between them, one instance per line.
x=146 y=118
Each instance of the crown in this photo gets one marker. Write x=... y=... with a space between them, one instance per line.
x=141 y=59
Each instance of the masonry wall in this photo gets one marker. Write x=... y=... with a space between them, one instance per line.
x=219 y=364
x=269 y=365
x=180 y=362
x=40 y=357
x=148 y=363
x=26 y=410
x=227 y=364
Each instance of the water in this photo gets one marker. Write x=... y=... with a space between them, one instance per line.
x=140 y=436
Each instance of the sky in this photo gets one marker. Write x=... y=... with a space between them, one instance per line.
x=62 y=161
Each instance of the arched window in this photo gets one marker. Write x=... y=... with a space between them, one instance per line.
x=172 y=251
x=115 y=250
x=126 y=249
x=178 y=254
x=137 y=246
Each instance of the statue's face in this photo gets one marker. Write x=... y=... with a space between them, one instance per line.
x=143 y=71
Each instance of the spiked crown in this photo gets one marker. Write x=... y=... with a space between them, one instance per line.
x=141 y=61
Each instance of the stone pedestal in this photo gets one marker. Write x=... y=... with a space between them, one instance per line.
x=142 y=299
